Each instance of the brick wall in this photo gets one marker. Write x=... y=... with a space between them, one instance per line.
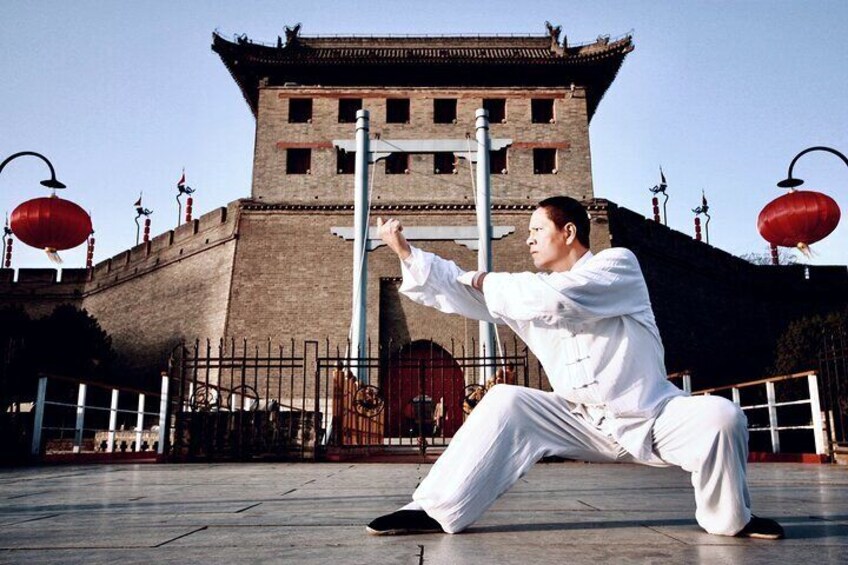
x=274 y=135
x=148 y=297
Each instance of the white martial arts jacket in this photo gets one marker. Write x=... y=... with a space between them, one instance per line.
x=592 y=328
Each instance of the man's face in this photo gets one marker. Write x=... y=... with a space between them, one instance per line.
x=549 y=247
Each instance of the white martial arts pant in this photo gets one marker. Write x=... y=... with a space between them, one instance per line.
x=513 y=427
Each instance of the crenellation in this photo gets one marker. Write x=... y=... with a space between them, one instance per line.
x=183 y=233
x=139 y=252
x=28 y=276
x=161 y=241
x=102 y=269
x=212 y=219
x=7 y=276
x=120 y=260
x=76 y=275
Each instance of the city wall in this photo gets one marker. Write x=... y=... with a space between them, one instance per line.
x=719 y=315
x=147 y=298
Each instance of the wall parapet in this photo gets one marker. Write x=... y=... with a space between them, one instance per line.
x=210 y=229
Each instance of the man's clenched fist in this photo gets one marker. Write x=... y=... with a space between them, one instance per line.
x=391 y=232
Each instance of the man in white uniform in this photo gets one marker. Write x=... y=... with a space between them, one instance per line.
x=589 y=321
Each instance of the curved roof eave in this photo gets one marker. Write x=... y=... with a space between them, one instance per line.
x=269 y=62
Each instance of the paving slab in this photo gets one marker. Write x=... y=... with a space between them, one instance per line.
x=316 y=512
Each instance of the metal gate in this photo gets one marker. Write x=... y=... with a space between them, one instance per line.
x=311 y=401
x=409 y=399
x=233 y=401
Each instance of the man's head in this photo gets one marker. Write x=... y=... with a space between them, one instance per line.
x=559 y=233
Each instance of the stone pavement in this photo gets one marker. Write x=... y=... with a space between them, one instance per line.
x=315 y=513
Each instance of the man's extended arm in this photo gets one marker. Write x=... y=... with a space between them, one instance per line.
x=432 y=281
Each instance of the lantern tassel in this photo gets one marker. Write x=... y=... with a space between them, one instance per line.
x=53 y=255
x=806 y=250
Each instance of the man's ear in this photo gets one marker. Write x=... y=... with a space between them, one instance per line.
x=570 y=232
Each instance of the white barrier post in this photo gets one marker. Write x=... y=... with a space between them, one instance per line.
x=38 y=422
x=113 y=422
x=815 y=408
x=80 y=418
x=139 y=422
x=737 y=399
x=772 y=412
x=163 y=415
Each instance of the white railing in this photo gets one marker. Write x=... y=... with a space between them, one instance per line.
x=774 y=427
x=158 y=431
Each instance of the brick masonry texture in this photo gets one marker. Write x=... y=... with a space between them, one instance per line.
x=324 y=184
x=149 y=297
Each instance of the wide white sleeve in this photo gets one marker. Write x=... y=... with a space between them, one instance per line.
x=608 y=285
x=430 y=280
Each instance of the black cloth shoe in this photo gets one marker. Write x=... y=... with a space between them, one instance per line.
x=761 y=528
x=403 y=522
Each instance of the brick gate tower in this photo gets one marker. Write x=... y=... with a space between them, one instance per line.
x=292 y=268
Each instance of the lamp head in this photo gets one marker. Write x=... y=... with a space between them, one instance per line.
x=790 y=182
x=52 y=183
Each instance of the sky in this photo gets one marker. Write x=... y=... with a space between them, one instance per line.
x=122 y=96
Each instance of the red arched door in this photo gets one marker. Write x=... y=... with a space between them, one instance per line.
x=440 y=399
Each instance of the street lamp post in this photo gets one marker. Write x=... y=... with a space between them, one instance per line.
x=801 y=217
x=48 y=223
x=49 y=183
x=790 y=181
x=6 y=258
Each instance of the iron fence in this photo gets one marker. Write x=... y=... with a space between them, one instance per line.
x=311 y=400
x=236 y=402
x=833 y=368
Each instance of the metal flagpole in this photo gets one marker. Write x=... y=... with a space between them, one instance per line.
x=360 y=241
x=484 y=227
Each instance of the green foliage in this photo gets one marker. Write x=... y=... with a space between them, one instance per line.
x=799 y=346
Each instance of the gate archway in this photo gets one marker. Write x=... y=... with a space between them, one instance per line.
x=424 y=385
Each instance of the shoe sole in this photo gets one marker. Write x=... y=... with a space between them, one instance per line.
x=401 y=532
x=771 y=537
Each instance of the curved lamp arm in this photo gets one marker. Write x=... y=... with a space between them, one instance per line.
x=49 y=183
x=789 y=181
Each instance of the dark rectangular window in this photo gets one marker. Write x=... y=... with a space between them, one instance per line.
x=544 y=161
x=348 y=108
x=542 y=110
x=397 y=110
x=443 y=163
x=345 y=162
x=397 y=164
x=300 y=110
x=497 y=162
x=444 y=111
x=496 y=108
x=298 y=161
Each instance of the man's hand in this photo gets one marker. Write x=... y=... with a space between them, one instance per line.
x=391 y=232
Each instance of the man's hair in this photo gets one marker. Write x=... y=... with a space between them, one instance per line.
x=562 y=210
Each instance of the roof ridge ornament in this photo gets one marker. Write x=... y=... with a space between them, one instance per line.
x=292 y=34
x=554 y=32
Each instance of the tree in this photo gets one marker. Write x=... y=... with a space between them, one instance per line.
x=799 y=346
x=68 y=342
x=785 y=256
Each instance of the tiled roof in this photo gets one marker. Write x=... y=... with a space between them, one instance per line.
x=423 y=61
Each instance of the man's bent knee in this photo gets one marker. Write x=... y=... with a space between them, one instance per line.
x=725 y=417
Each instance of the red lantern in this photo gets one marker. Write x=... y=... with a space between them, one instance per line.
x=51 y=224
x=798 y=219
